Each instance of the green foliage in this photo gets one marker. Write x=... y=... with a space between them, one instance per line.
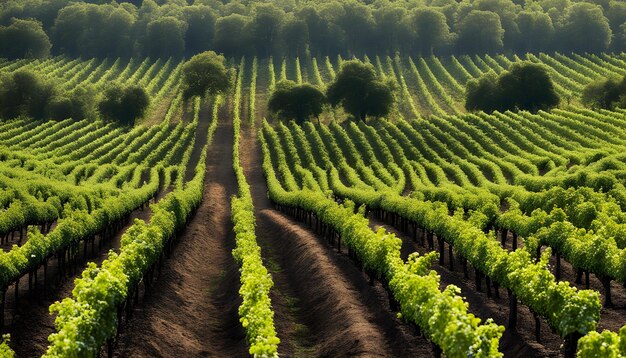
x=480 y=32
x=165 y=37
x=30 y=94
x=98 y=28
x=606 y=93
x=414 y=286
x=431 y=30
x=123 y=104
x=255 y=312
x=525 y=86
x=25 y=93
x=205 y=73
x=359 y=91
x=79 y=104
x=605 y=344
x=300 y=102
x=24 y=39
x=200 y=28
x=5 y=350
x=91 y=30
x=230 y=37
x=86 y=320
x=585 y=28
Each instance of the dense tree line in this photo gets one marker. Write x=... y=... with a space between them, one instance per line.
x=30 y=94
x=178 y=28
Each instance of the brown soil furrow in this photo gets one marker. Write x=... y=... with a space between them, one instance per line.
x=192 y=308
x=514 y=343
x=324 y=305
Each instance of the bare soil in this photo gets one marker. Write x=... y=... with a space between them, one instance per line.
x=192 y=308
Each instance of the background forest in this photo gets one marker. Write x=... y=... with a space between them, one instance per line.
x=180 y=28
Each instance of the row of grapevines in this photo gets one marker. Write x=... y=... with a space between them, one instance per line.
x=256 y=314
x=252 y=108
x=516 y=271
x=90 y=317
x=412 y=284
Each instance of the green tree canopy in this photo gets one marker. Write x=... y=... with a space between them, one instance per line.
x=78 y=104
x=525 y=86
x=300 y=102
x=164 y=28
x=393 y=31
x=205 y=73
x=123 y=104
x=480 y=32
x=536 y=30
x=357 y=88
x=431 y=30
x=25 y=93
x=165 y=37
x=24 y=39
x=295 y=35
x=585 y=29
x=201 y=28
x=230 y=35
x=607 y=93
x=482 y=94
x=94 y=30
x=264 y=27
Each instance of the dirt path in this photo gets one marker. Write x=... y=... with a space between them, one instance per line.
x=192 y=310
x=520 y=343
x=31 y=323
x=324 y=306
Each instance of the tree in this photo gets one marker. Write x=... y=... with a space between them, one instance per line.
x=24 y=39
x=25 y=93
x=536 y=31
x=78 y=104
x=480 y=32
x=123 y=105
x=585 y=29
x=430 y=30
x=607 y=93
x=358 y=24
x=229 y=34
x=264 y=27
x=296 y=101
x=506 y=10
x=482 y=94
x=165 y=37
x=526 y=86
x=43 y=11
x=392 y=29
x=201 y=28
x=94 y=30
x=325 y=37
x=357 y=88
x=295 y=36
x=205 y=73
